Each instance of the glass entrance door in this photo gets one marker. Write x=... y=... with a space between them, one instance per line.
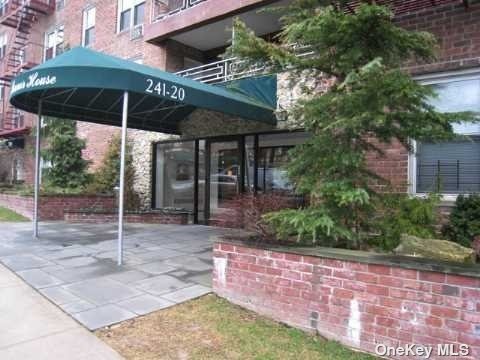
x=225 y=175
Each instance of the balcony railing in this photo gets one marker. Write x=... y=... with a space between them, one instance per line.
x=232 y=68
x=221 y=71
x=165 y=8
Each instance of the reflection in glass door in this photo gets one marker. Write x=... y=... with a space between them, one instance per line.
x=225 y=175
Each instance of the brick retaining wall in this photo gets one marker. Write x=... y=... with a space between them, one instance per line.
x=52 y=207
x=358 y=303
x=155 y=217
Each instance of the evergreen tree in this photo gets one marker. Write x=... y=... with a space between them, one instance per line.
x=107 y=177
x=68 y=169
x=361 y=50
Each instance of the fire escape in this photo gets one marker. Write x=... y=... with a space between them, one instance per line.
x=19 y=16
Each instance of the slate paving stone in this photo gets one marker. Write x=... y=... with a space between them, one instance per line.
x=60 y=254
x=156 y=255
x=175 y=245
x=75 y=307
x=89 y=272
x=161 y=284
x=164 y=264
x=59 y=295
x=190 y=263
x=102 y=291
x=178 y=273
x=38 y=278
x=53 y=269
x=106 y=255
x=103 y=316
x=24 y=262
x=187 y=293
x=156 y=268
x=206 y=255
x=76 y=261
x=145 y=304
x=128 y=277
x=203 y=279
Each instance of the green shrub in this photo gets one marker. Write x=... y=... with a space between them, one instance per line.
x=360 y=52
x=107 y=177
x=309 y=226
x=464 y=222
x=406 y=215
x=68 y=169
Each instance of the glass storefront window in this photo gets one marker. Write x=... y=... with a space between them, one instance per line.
x=232 y=165
x=175 y=174
x=201 y=181
x=224 y=175
x=273 y=157
x=272 y=172
x=249 y=163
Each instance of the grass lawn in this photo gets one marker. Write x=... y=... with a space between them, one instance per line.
x=9 y=215
x=212 y=328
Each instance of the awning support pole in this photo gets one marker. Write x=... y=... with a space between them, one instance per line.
x=121 y=192
x=37 y=171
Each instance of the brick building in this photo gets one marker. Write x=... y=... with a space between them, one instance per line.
x=219 y=157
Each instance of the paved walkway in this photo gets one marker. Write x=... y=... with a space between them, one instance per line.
x=75 y=267
x=32 y=328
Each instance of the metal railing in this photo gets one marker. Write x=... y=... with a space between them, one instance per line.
x=165 y=8
x=221 y=71
x=232 y=68
x=448 y=177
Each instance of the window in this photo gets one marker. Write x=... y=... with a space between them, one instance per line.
x=272 y=159
x=3 y=45
x=88 y=26
x=60 y=4
x=175 y=175
x=54 y=43
x=451 y=167
x=3 y=7
x=131 y=13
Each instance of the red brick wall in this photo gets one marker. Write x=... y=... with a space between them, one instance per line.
x=458 y=33
x=52 y=207
x=358 y=304
x=106 y=40
x=392 y=166
x=457 y=30
x=144 y=218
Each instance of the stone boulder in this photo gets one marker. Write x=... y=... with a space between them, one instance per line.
x=435 y=249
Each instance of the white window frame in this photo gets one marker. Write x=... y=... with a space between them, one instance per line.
x=432 y=79
x=3 y=43
x=54 y=31
x=85 y=24
x=3 y=6
x=134 y=3
x=59 y=5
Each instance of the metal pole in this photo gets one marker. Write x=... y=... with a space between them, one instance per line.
x=121 y=192
x=37 y=171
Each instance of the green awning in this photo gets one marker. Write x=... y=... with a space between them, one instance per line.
x=86 y=85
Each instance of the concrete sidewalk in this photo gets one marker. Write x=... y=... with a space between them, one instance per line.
x=32 y=328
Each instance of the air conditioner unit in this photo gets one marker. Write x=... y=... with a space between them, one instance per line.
x=17 y=143
x=136 y=32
